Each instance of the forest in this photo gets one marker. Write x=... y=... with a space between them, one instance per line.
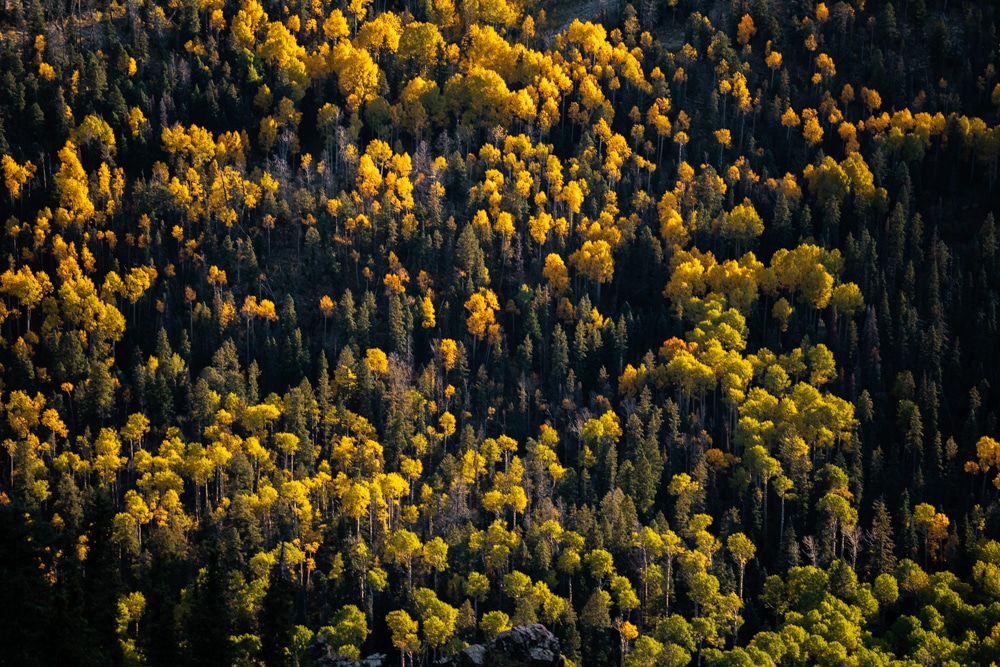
x=389 y=325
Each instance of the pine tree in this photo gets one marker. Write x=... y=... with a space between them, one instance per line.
x=907 y=530
x=881 y=558
x=277 y=614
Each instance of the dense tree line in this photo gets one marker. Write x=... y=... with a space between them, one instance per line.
x=671 y=327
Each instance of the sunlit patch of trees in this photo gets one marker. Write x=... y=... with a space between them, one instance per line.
x=672 y=327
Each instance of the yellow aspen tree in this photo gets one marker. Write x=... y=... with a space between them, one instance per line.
x=557 y=275
x=16 y=175
x=482 y=307
x=28 y=287
x=826 y=66
x=428 y=318
x=672 y=227
x=448 y=349
x=988 y=457
x=377 y=361
x=871 y=99
x=594 y=261
x=744 y=31
x=725 y=140
x=790 y=119
x=773 y=61
x=75 y=205
x=572 y=195
x=812 y=131
x=326 y=306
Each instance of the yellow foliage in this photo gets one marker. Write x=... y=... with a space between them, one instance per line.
x=594 y=261
x=773 y=60
x=812 y=132
x=745 y=30
x=555 y=272
x=326 y=306
x=15 y=175
x=449 y=353
x=428 y=318
x=46 y=71
x=377 y=361
x=72 y=184
x=482 y=307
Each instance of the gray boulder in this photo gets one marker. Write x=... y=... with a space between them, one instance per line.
x=523 y=646
x=322 y=654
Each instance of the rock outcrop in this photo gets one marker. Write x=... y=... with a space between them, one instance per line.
x=322 y=654
x=523 y=646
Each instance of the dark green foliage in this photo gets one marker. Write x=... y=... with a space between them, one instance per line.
x=28 y=603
